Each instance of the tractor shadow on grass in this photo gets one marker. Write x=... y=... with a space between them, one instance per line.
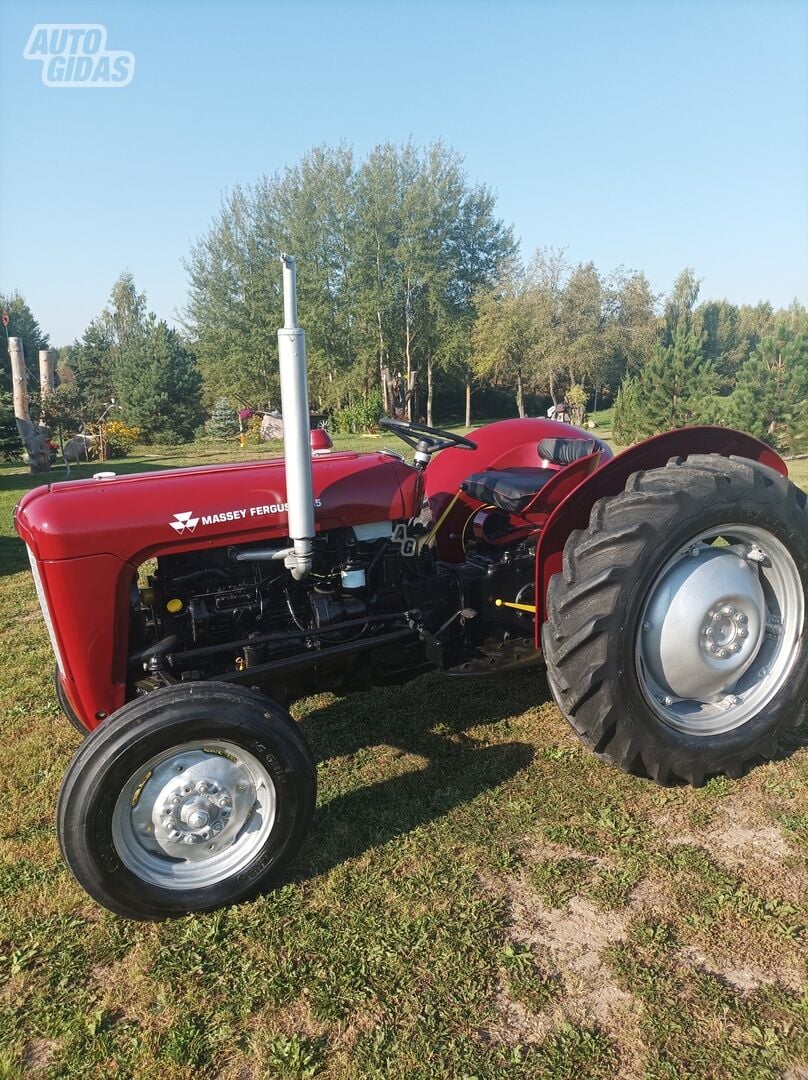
x=428 y=718
x=13 y=557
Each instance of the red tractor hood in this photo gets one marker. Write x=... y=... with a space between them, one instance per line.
x=134 y=517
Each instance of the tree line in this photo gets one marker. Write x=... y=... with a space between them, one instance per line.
x=416 y=302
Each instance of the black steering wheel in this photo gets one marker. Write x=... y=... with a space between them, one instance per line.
x=427 y=440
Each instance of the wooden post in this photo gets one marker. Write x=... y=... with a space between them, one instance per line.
x=46 y=366
x=36 y=447
x=468 y=399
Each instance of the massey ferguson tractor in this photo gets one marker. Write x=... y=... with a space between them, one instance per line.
x=663 y=588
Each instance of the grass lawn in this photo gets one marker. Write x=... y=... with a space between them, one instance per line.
x=479 y=897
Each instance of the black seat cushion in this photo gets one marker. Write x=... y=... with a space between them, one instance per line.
x=565 y=451
x=509 y=489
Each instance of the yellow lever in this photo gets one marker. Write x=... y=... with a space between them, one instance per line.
x=518 y=607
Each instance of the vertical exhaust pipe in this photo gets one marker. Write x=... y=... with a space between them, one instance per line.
x=296 y=444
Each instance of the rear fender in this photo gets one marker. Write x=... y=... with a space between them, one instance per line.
x=573 y=513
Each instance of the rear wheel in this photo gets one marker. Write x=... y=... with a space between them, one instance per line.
x=188 y=799
x=675 y=638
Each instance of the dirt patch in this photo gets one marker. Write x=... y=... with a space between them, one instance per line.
x=295 y=1019
x=568 y=943
x=743 y=980
x=38 y=1056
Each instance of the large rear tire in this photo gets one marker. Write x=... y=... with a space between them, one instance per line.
x=188 y=799
x=675 y=637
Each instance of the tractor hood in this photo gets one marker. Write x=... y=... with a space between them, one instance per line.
x=135 y=517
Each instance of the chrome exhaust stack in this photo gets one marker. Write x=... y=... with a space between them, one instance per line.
x=296 y=438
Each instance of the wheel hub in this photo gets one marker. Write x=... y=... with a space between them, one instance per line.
x=720 y=630
x=195 y=804
x=704 y=624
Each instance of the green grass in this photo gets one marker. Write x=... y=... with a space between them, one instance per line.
x=479 y=897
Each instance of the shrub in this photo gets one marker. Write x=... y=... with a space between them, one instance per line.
x=361 y=416
x=120 y=438
x=223 y=423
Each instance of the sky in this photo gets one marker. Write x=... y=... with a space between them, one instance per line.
x=653 y=135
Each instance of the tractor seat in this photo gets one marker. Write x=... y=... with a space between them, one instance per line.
x=509 y=489
x=565 y=451
x=513 y=489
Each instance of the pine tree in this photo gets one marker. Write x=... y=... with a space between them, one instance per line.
x=158 y=384
x=223 y=423
x=770 y=400
x=675 y=388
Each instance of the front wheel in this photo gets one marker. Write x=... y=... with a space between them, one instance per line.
x=675 y=639
x=188 y=799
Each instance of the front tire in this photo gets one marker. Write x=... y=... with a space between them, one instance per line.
x=675 y=637
x=65 y=706
x=191 y=798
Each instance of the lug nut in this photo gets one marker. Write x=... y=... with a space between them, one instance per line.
x=742 y=618
x=722 y=653
x=736 y=647
x=743 y=633
x=708 y=632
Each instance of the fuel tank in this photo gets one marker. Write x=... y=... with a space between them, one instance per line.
x=135 y=517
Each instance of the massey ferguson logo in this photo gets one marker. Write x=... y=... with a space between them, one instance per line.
x=184 y=522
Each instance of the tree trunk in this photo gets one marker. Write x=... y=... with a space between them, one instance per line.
x=520 y=394
x=468 y=400
x=46 y=371
x=36 y=446
x=429 y=390
x=410 y=373
x=383 y=367
x=412 y=397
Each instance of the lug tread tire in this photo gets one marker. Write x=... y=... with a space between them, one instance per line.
x=591 y=604
x=130 y=737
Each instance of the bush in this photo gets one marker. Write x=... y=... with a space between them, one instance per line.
x=10 y=446
x=223 y=423
x=120 y=438
x=360 y=417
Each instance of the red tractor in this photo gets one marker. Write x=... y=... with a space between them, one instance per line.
x=664 y=589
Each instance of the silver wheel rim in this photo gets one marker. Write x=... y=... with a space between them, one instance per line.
x=194 y=815
x=721 y=630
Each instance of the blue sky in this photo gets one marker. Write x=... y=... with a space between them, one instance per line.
x=654 y=135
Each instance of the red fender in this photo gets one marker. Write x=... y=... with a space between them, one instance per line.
x=573 y=513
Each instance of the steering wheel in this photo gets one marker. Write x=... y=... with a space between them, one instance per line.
x=427 y=440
